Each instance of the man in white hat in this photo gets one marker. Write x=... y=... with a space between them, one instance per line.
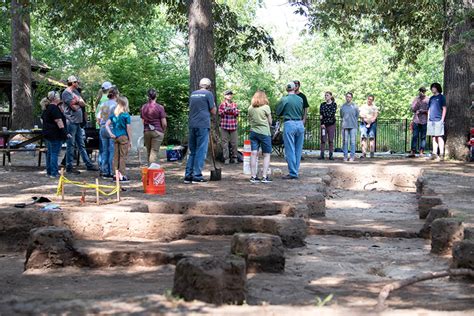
x=201 y=106
x=74 y=106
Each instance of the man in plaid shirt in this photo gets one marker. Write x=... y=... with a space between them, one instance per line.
x=228 y=111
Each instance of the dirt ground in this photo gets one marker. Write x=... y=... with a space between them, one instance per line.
x=373 y=200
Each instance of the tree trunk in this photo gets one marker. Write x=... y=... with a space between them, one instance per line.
x=458 y=76
x=201 y=52
x=22 y=96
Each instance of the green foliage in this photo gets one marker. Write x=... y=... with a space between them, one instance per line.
x=322 y=302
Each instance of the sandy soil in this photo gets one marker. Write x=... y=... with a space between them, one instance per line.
x=367 y=197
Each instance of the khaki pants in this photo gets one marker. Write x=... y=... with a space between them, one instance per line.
x=229 y=136
x=120 y=153
x=152 y=141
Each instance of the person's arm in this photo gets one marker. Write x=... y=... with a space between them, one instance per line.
x=164 y=124
x=414 y=106
x=236 y=111
x=376 y=115
x=107 y=127
x=269 y=118
x=280 y=108
x=129 y=134
x=221 y=109
x=443 y=114
x=305 y=115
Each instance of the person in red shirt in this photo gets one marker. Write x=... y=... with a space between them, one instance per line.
x=228 y=112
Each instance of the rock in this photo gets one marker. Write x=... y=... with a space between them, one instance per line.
x=317 y=180
x=463 y=255
x=276 y=172
x=316 y=204
x=469 y=233
x=444 y=233
x=438 y=211
x=262 y=252
x=292 y=231
x=211 y=279
x=52 y=247
x=420 y=182
x=327 y=179
x=425 y=203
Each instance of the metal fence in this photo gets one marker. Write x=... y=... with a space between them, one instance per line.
x=392 y=134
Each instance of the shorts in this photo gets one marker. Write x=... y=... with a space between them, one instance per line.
x=435 y=128
x=259 y=140
x=370 y=132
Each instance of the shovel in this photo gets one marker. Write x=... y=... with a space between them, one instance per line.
x=216 y=174
x=35 y=199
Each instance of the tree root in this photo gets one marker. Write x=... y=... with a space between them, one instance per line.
x=418 y=278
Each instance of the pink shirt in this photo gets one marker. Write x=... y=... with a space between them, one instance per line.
x=152 y=113
x=420 y=105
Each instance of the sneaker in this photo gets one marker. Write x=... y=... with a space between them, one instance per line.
x=352 y=159
x=266 y=180
x=345 y=159
x=411 y=155
x=361 y=157
x=289 y=177
x=107 y=176
x=53 y=177
x=321 y=158
x=188 y=180
x=123 y=180
x=199 y=180
x=254 y=180
x=73 y=171
x=92 y=168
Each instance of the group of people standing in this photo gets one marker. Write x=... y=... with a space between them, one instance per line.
x=64 y=118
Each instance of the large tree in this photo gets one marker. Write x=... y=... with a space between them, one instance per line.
x=411 y=26
x=22 y=96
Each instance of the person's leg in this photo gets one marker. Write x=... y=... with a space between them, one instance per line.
x=331 y=134
x=414 y=138
x=441 y=146
x=192 y=154
x=345 y=140
x=324 y=136
x=225 y=137
x=81 y=147
x=267 y=151
x=372 y=135
x=123 y=140
x=155 y=147
x=353 y=135
x=233 y=143
x=363 y=139
x=289 y=141
x=116 y=155
x=147 y=136
x=72 y=129
x=299 y=142
x=48 y=157
x=254 y=145
x=422 y=135
x=435 y=146
x=202 y=144
x=55 y=150
x=104 y=141
x=110 y=157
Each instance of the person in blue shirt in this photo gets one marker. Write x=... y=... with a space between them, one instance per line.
x=436 y=116
x=121 y=132
x=201 y=106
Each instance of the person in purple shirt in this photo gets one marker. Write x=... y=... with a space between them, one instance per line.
x=419 y=107
x=154 y=123
x=436 y=116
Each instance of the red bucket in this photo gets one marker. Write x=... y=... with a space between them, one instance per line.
x=154 y=181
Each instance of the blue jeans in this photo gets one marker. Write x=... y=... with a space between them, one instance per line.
x=349 y=134
x=370 y=132
x=293 y=138
x=419 y=132
x=198 y=143
x=107 y=154
x=54 y=148
x=76 y=140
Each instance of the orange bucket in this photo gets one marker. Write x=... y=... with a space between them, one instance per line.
x=154 y=181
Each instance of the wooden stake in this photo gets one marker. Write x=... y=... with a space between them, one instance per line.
x=117 y=183
x=97 y=191
x=62 y=186
x=83 y=195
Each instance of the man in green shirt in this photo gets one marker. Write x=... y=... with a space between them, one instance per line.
x=291 y=108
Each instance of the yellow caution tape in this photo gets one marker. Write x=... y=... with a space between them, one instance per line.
x=63 y=180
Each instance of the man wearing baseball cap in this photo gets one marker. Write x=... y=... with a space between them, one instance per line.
x=291 y=108
x=201 y=106
x=74 y=105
